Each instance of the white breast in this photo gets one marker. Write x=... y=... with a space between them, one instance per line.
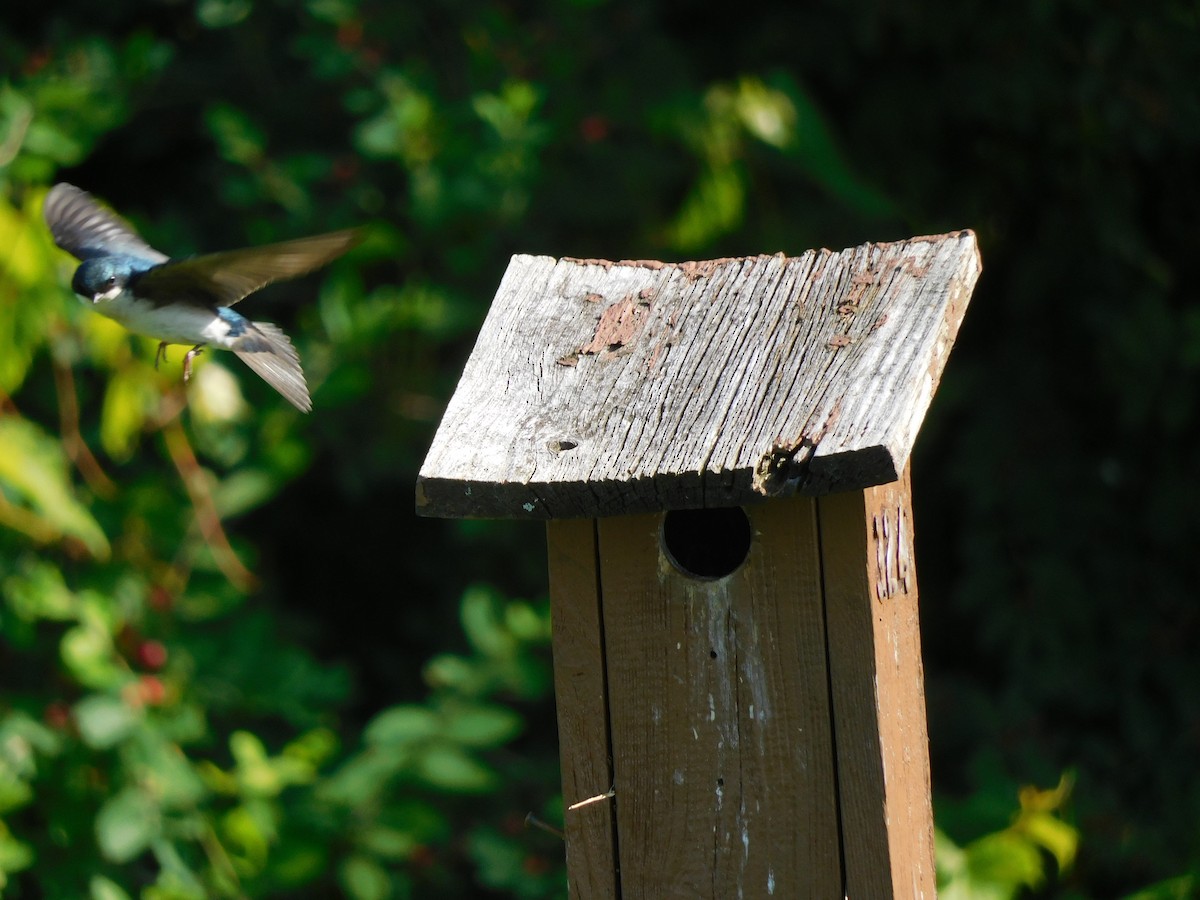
x=173 y=324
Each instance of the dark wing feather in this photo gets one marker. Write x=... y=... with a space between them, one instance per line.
x=85 y=229
x=267 y=350
x=227 y=277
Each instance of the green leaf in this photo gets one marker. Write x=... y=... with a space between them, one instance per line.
x=238 y=139
x=362 y=778
x=40 y=592
x=87 y=651
x=101 y=888
x=156 y=760
x=449 y=671
x=34 y=468
x=14 y=855
x=390 y=843
x=1054 y=835
x=104 y=720
x=1186 y=887
x=1005 y=860
x=126 y=824
x=482 y=726
x=402 y=725
x=15 y=792
x=244 y=490
x=714 y=207
x=128 y=400
x=482 y=623
x=452 y=769
x=364 y=879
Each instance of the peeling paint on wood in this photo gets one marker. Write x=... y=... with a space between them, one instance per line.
x=684 y=385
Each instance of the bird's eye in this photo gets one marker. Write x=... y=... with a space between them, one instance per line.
x=110 y=281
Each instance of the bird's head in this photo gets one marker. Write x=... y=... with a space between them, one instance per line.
x=101 y=279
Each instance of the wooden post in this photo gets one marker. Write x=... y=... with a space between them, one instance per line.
x=722 y=451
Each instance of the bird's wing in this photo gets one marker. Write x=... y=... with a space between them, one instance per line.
x=267 y=350
x=85 y=229
x=227 y=277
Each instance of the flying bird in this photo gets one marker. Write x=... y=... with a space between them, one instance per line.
x=189 y=300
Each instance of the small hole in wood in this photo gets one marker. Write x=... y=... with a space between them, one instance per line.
x=706 y=543
x=561 y=446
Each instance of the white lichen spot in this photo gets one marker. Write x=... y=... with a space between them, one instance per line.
x=655 y=715
x=678 y=776
x=527 y=506
x=771 y=882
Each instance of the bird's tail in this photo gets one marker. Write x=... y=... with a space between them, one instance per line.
x=266 y=349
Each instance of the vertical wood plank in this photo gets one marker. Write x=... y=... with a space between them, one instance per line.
x=582 y=703
x=719 y=705
x=878 y=694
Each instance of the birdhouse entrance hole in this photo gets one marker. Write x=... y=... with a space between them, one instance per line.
x=706 y=543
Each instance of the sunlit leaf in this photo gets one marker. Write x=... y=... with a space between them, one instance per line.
x=128 y=399
x=1007 y=860
x=87 y=652
x=126 y=824
x=101 y=888
x=249 y=827
x=104 y=720
x=39 y=592
x=1060 y=839
x=14 y=855
x=33 y=467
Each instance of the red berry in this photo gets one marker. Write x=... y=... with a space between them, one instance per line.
x=57 y=715
x=160 y=599
x=152 y=655
x=151 y=691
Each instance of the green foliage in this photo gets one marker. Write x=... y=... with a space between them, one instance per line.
x=1002 y=864
x=233 y=662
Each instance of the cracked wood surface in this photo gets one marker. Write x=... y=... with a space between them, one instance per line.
x=603 y=388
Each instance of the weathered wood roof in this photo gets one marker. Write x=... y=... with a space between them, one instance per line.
x=603 y=388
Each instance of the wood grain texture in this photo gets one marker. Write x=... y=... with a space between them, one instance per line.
x=720 y=718
x=601 y=388
x=581 y=697
x=877 y=685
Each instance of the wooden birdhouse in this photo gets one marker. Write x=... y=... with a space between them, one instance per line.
x=720 y=450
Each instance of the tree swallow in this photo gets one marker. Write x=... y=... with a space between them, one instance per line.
x=187 y=301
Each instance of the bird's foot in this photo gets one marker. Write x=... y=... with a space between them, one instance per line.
x=187 y=361
x=160 y=353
